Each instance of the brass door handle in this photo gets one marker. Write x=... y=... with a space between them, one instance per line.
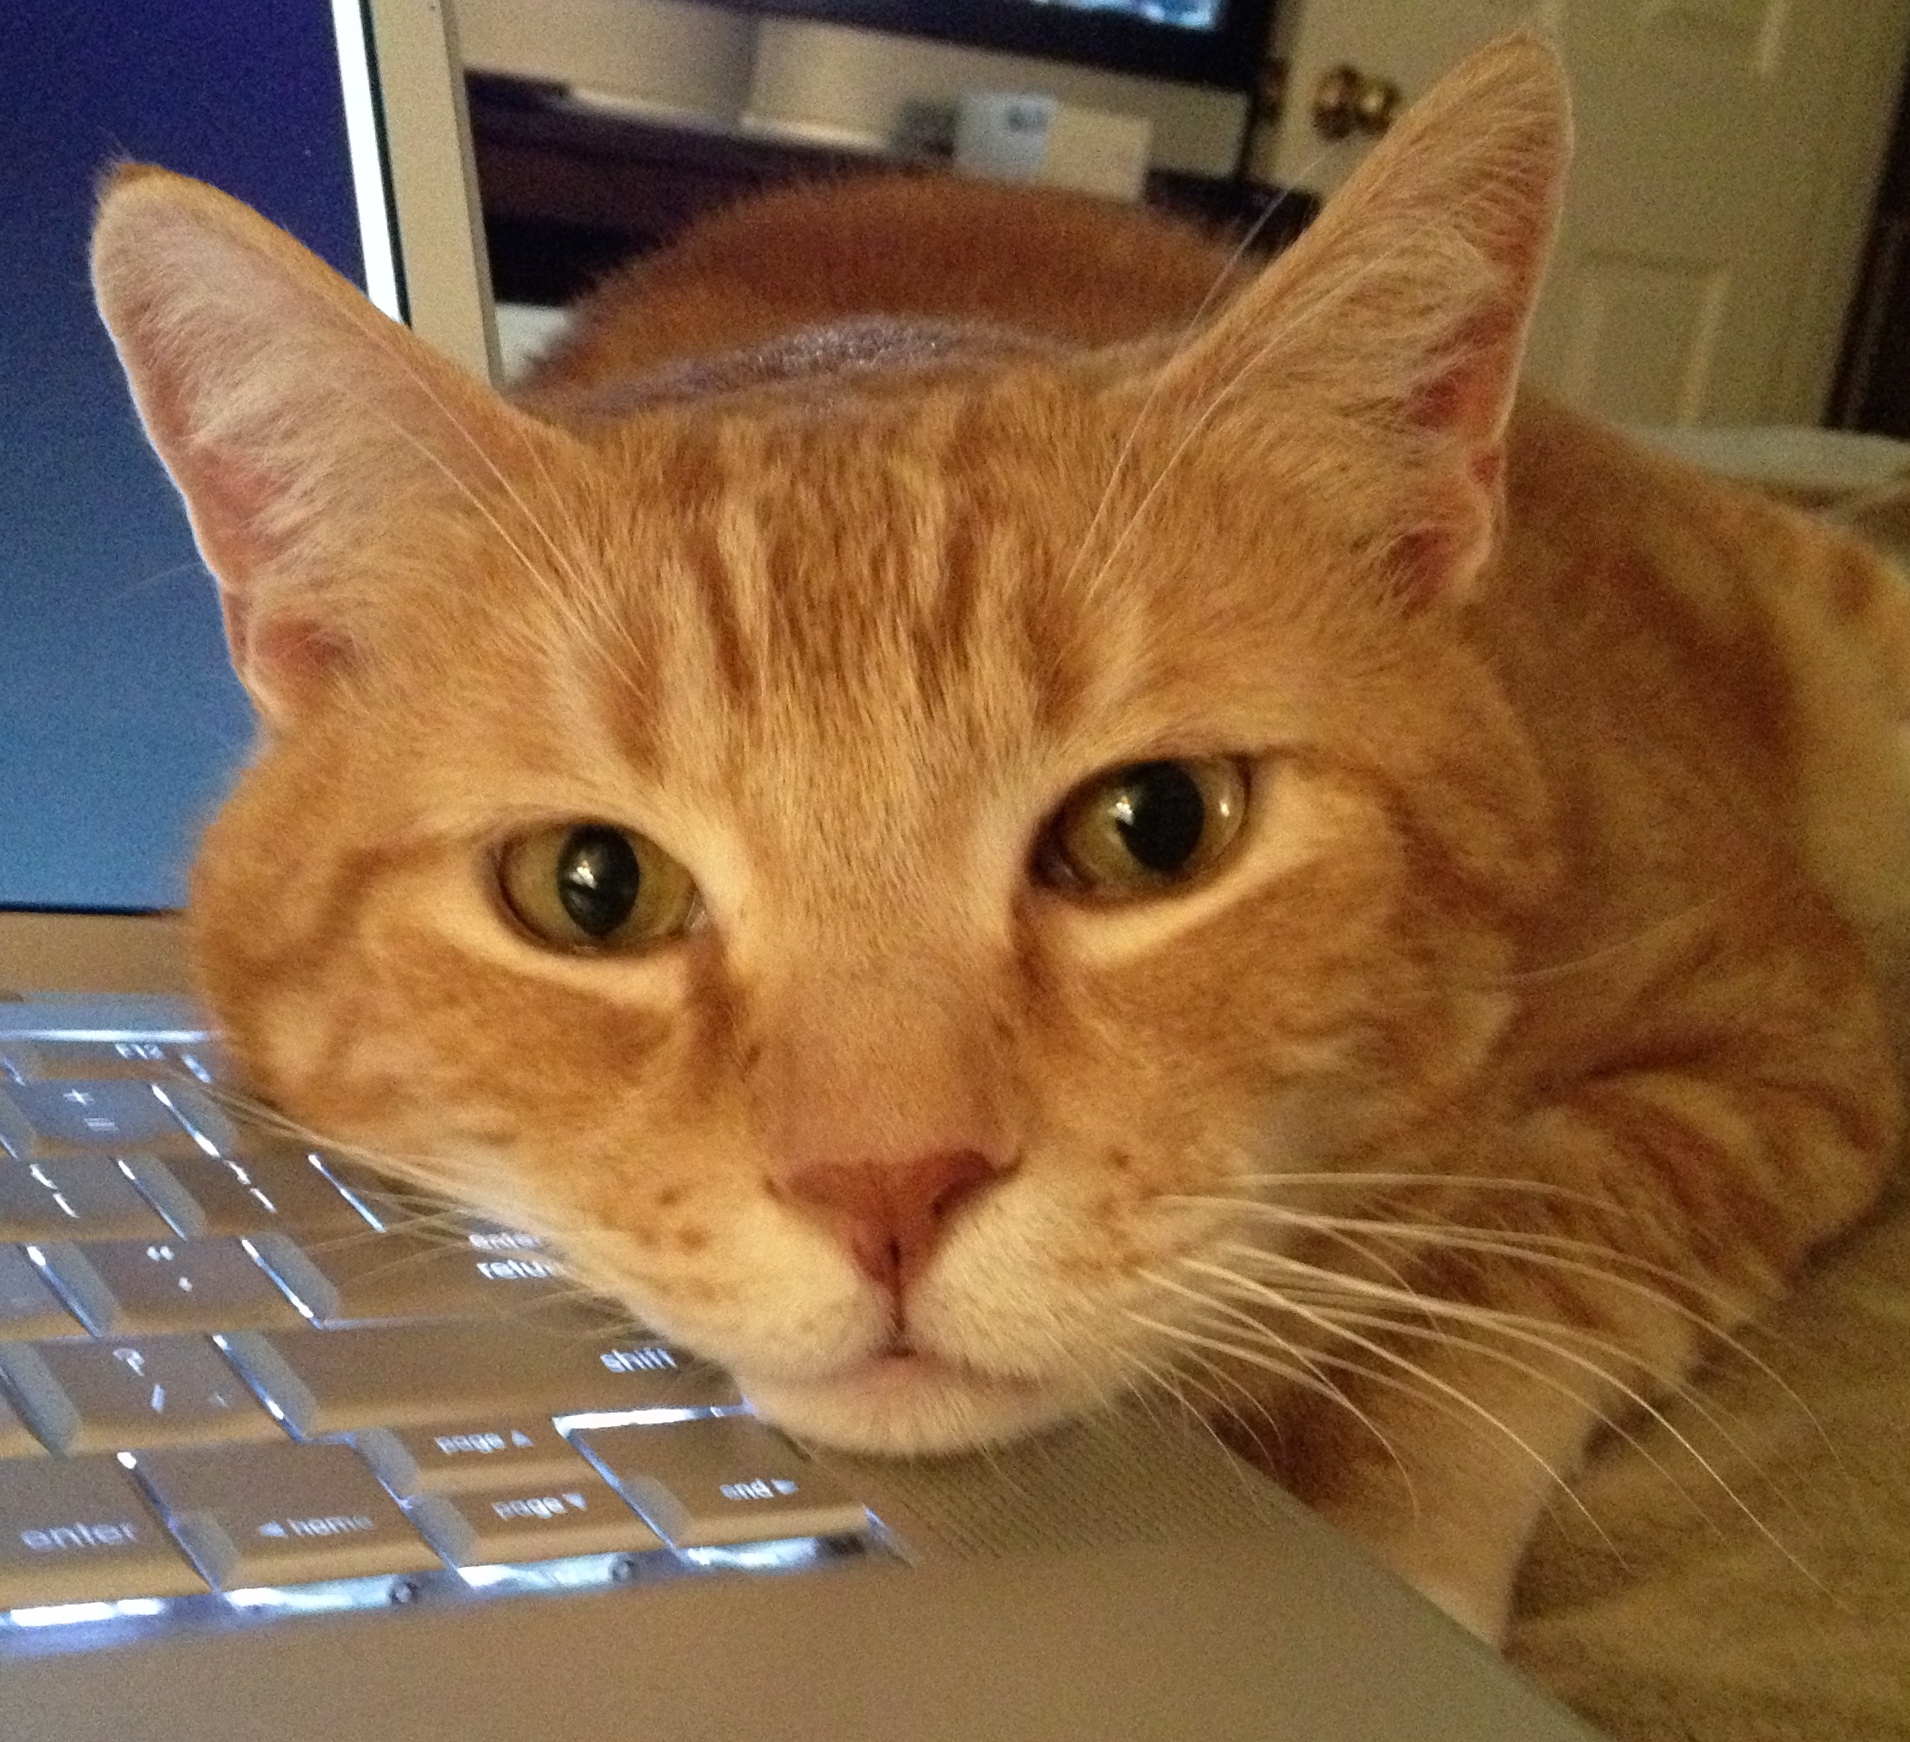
x=1346 y=101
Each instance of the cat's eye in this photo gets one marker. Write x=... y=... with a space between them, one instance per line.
x=592 y=886
x=1145 y=828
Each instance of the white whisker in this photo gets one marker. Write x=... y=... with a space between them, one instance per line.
x=1550 y=1337
x=1304 y=1371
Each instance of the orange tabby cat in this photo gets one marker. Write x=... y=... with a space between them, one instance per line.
x=1118 y=825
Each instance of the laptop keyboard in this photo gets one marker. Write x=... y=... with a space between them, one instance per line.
x=239 y=1379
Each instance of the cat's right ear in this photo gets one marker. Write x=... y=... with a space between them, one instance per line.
x=1397 y=322
x=294 y=417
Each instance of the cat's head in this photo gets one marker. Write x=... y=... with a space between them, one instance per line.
x=885 y=874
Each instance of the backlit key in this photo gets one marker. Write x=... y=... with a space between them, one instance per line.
x=283 y=1514
x=422 y=1374
x=204 y=1059
x=28 y=1308
x=131 y=1287
x=724 y=1479
x=218 y=1129
x=118 y=1395
x=44 y=1121
x=30 y=1061
x=450 y=1460
x=271 y=1190
x=403 y=1275
x=72 y=1197
x=78 y=1531
x=528 y=1522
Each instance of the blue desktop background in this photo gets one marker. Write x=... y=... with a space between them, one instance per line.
x=120 y=723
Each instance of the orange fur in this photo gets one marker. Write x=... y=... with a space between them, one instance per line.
x=802 y=255
x=1528 y=1033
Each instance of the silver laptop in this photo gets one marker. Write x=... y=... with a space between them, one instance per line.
x=272 y=1465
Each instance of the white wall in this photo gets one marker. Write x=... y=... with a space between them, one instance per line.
x=675 y=57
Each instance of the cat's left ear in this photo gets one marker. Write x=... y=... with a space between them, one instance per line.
x=303 y=427
x=1399 y=318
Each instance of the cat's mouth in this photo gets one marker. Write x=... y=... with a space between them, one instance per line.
x=904 y=1401
x=903 y=1364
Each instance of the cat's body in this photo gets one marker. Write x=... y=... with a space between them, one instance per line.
x=1486 y=1009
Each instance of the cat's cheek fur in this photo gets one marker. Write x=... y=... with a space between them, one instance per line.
x=723 y=1268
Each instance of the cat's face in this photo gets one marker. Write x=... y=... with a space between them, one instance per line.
x=882 y=879
x=856 y=735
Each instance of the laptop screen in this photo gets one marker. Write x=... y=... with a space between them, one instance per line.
x=120 y=724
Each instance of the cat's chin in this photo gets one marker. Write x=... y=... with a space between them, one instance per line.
x=910 y=1406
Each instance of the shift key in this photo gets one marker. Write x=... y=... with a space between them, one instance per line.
x=416 y=1375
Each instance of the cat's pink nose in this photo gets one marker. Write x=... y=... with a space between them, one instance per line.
x=891 y=1215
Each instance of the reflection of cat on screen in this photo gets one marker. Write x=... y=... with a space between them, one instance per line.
x=1124 y=824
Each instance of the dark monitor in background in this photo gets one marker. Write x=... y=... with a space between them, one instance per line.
x=1219 y=43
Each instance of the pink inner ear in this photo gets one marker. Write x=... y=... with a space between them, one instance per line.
x=1466 y=404
x=1439 y=557
x=1470 y=397
x=230 y=503
x=285 y=661
x=283 y=657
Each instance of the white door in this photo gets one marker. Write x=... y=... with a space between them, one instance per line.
x=1727 y=157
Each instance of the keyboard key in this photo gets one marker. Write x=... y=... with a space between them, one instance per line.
x=281 y=1189
x=270 y=1155
x=41 y=1061
x=451 y=1460
x=45 y=1121
x=129 y=1287
x=17 y=1442
x=78 y=1531
x=724 y=1479
x=72 y=1197
x=121 y=1395
x=219 y=1130
x=226 y=1134
x=157 y=1185
x=520 y=1522
x=28 y=1308
x=405 y=1275
x=204 y=1060
x=423 y=1374
x=283 y=1514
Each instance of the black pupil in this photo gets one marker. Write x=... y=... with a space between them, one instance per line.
x=598 y=878
x=1161 y=815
